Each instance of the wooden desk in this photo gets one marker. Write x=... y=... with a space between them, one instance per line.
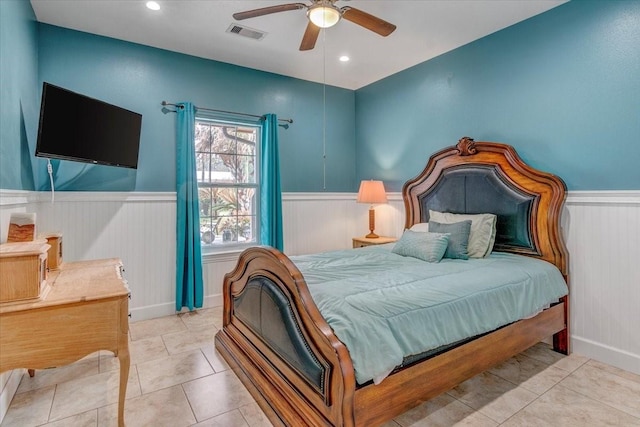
x=86 y=310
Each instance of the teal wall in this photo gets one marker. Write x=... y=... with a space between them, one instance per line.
x=139 y=78
x=19 y=95
x=562 y=87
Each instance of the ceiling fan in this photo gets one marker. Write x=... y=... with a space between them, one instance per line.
x=323 y=14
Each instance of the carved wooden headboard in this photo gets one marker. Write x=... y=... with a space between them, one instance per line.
x=488 y=177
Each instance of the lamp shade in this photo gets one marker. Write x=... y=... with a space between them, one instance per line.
x=372 y=192
x=324 y=15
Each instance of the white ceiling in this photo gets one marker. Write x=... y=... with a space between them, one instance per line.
x=426 y=29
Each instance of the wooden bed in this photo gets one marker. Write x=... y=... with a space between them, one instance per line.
x=288 y=357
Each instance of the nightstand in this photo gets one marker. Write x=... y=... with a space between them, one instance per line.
x=361 y=242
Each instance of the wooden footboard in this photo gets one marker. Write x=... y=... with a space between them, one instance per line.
x=299 y=372
x=282 y=348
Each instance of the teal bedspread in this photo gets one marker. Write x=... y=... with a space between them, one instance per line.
x=384 y=307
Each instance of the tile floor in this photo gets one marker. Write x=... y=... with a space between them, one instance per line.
x=178 y=379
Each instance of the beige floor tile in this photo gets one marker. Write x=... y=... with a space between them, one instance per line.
x=228 y=419
x=85 y=419
x=214 y=358
x=82 y=394
x=45 y=377
x=443 y=411
x=140 y=351
x=172 y=370
x=178 y=342
x=155 y=327
x=494 y=397
x=613 y=370
x=216 y=394
x=203 y=318
x=254 y=415
x=163 y=408
x=561 y=407
x=545 y=354
x=30 y=408
x=109 y=362
x=616 y=391
x=185 y=381
x=217 y=320
x=529 y=373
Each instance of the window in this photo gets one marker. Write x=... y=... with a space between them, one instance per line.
x=227 y=168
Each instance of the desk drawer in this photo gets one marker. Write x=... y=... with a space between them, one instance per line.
x=54 y=336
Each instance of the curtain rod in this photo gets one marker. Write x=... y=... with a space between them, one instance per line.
x=165 y=103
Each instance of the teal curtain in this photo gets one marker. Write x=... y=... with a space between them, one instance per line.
x=270 y=194
x=189 y=287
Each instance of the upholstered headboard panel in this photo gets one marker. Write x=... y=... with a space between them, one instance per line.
x=488 y=177
x=482 y=189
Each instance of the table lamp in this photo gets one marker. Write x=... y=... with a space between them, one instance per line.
x=372 y=192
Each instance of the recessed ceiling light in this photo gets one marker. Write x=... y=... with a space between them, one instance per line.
x=153 y=5
x=344 y=58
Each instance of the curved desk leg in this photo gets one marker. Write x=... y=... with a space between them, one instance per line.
x=123 y=357
x=32 y=372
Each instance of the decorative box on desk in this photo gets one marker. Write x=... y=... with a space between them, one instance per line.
x=54 y=259
x=23 y=270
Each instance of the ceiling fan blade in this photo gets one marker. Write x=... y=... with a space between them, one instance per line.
x=310 y=37
x=367 y=21
x=267 y=10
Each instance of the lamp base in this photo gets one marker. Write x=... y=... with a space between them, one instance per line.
x=372 y=224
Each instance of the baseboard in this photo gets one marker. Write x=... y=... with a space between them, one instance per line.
x=603 y=353
x=9 y=390
x=167 y=309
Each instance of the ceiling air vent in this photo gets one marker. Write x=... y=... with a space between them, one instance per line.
x=246 y=32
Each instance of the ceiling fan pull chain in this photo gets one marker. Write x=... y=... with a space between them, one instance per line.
x=324 y=111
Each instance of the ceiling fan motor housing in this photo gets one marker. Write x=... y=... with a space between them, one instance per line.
x=324 y=14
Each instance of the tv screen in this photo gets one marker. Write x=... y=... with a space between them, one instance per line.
x=76 y=127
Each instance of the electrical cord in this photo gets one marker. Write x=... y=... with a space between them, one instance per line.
x=50 y=170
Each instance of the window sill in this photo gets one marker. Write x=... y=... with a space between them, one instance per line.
x=223 y=254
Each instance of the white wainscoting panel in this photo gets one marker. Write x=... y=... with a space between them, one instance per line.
x=138 y=228
x=317 y=222
x=603 y=239
x=602 y=230
x=213 y=271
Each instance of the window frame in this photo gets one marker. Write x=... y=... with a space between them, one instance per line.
x=221 y=120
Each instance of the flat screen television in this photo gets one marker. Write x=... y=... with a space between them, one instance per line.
x=76 y=127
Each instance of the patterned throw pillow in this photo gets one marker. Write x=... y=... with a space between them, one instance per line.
x=428 y=247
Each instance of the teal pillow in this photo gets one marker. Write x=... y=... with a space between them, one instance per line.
x=483 y=230
x=457 y=248
x=428 y=247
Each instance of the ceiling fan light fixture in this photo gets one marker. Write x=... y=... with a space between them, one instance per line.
x=323 y=14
